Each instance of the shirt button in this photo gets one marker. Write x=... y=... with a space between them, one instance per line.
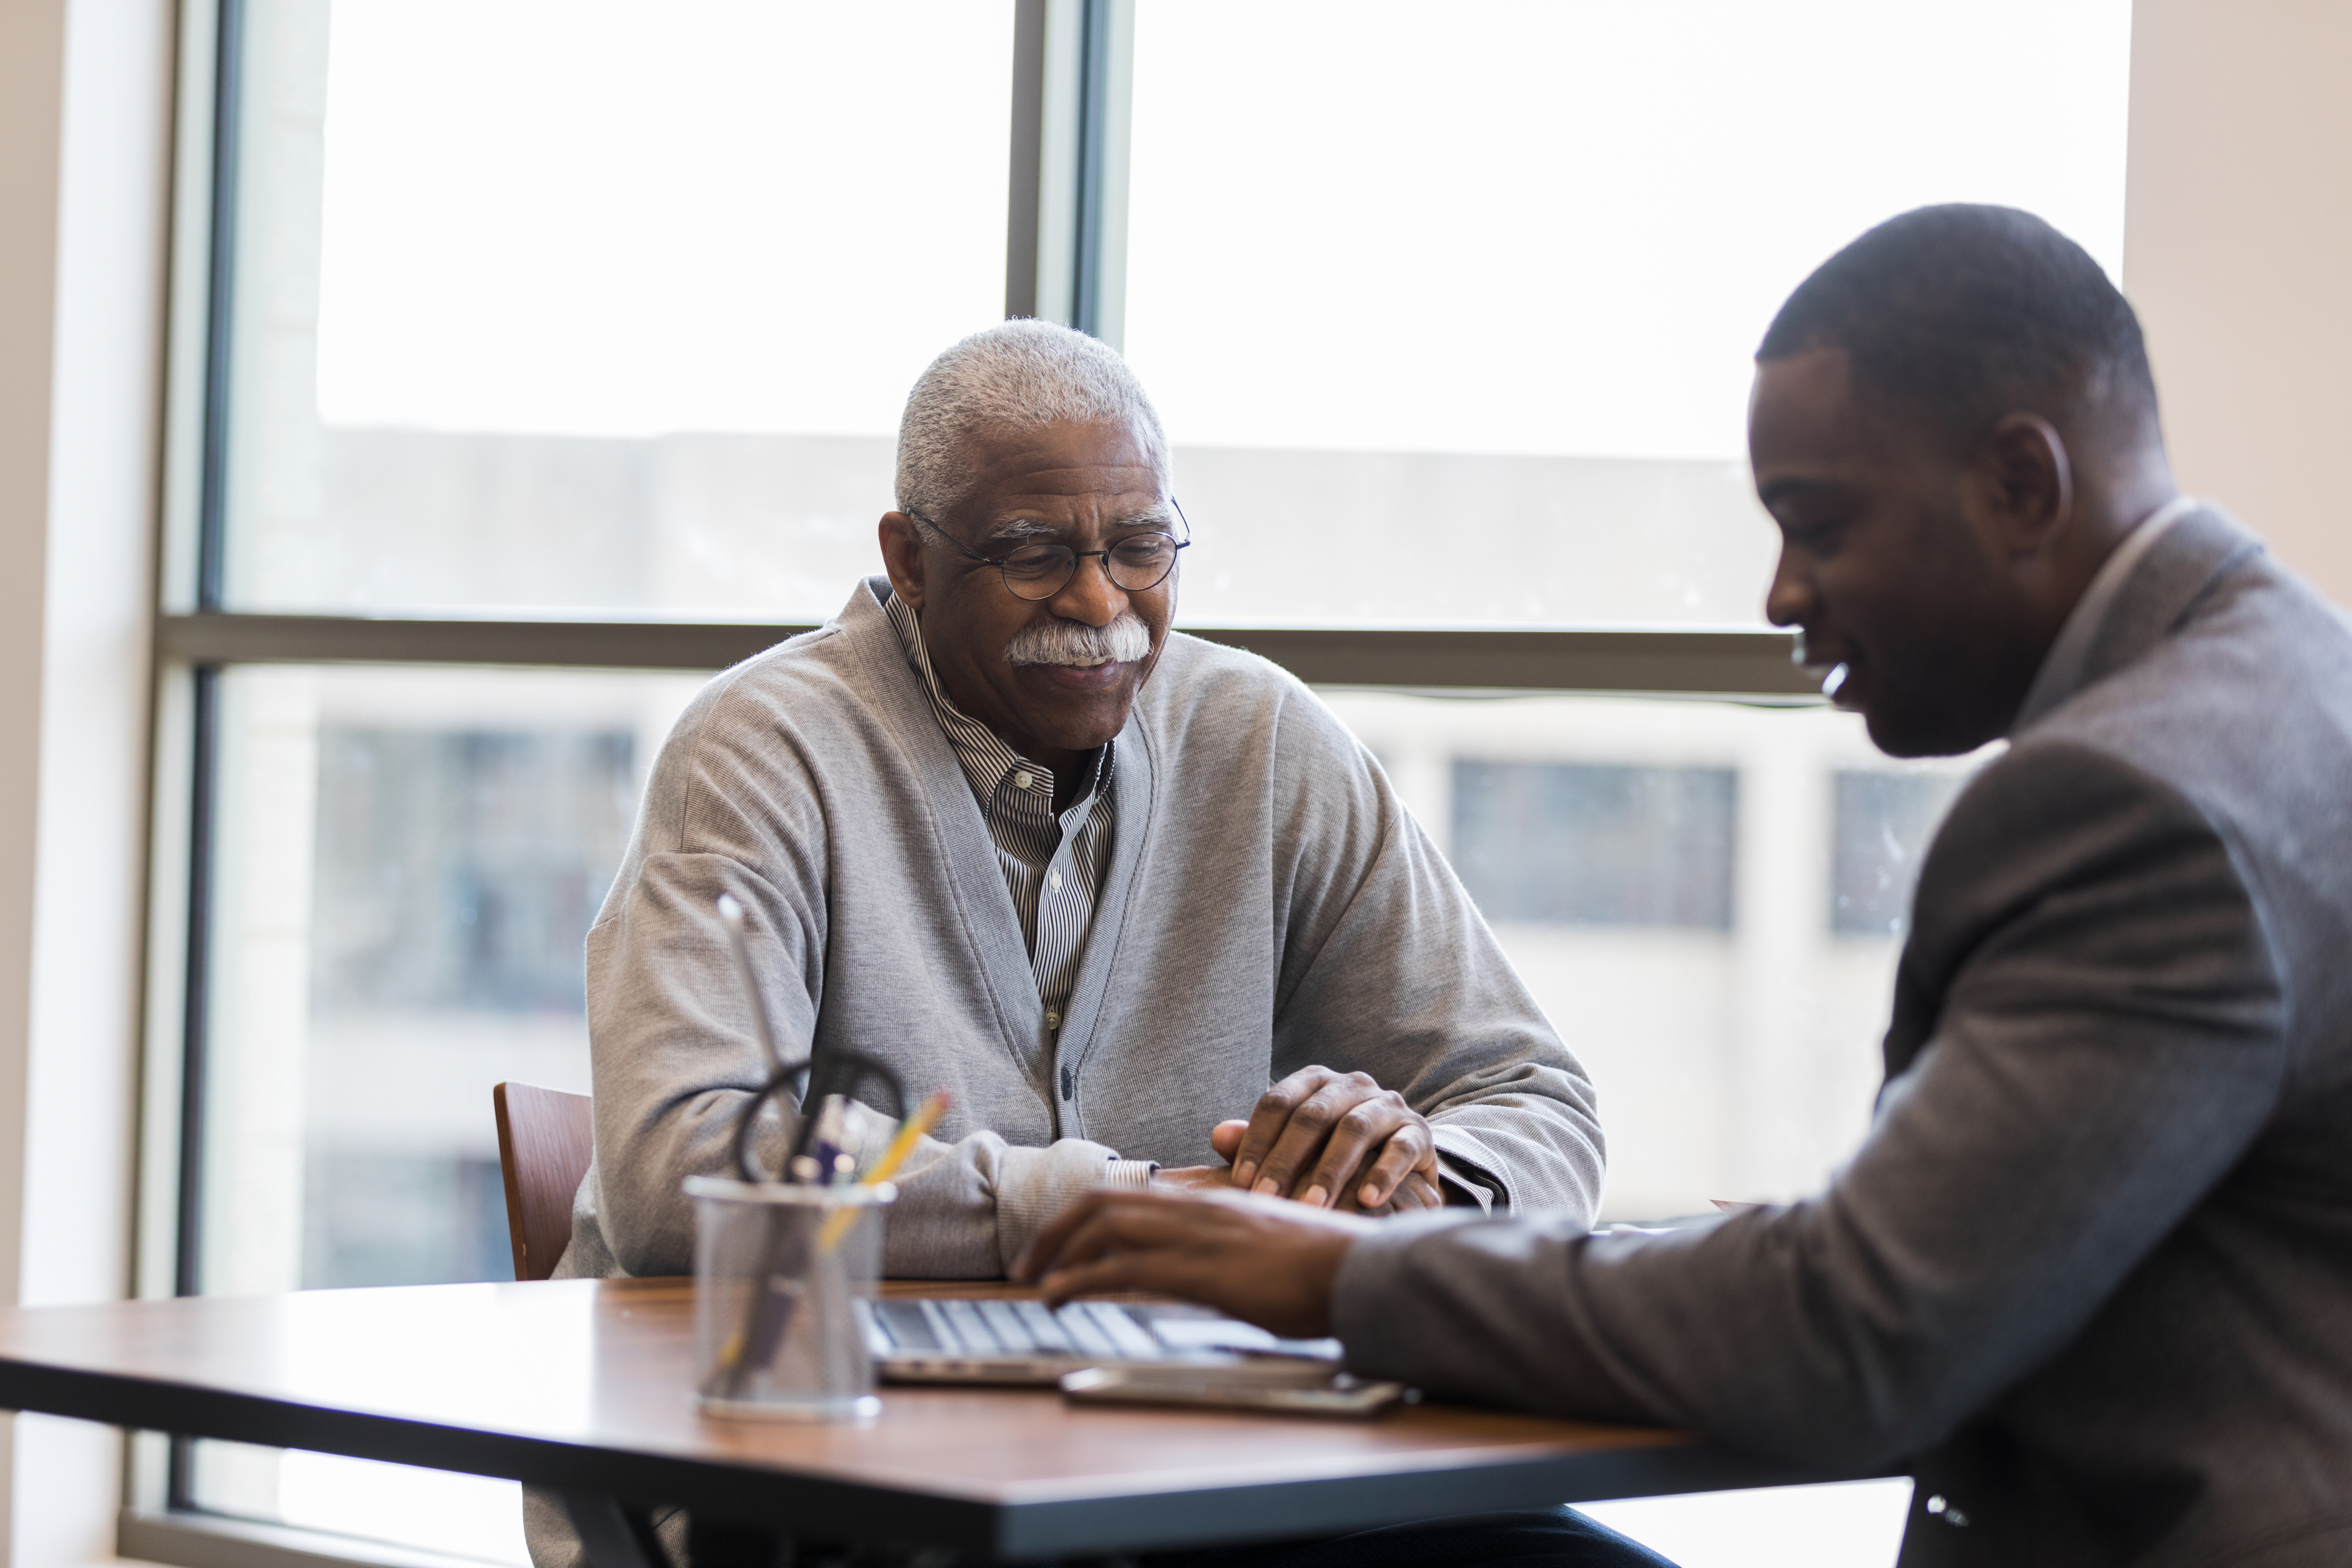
x=1024 y=780
x=1055 y=882
x=1053 y=1020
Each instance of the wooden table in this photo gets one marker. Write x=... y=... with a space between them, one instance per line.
x=582 y=1385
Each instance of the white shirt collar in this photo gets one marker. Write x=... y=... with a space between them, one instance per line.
x=986 y=760
x=2061 y=674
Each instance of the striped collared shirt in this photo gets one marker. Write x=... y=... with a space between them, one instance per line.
x=1052 y=864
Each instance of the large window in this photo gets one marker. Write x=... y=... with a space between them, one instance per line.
x=537 y=357
x=1479 y=283
x=595 y=304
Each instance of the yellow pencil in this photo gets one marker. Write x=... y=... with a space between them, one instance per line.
x=910 y=1132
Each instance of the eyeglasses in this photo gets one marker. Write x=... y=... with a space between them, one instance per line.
x=1138 y=563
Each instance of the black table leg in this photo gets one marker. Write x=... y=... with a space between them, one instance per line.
x=616 y=1534
x=721 y=1543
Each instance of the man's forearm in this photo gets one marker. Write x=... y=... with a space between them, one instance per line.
x=1539 y=1156
x=1475 y=1309
x=965 y=1210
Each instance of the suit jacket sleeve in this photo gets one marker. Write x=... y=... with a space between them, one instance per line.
x=2103 y=1029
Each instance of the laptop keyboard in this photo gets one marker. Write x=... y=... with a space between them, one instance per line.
x=1095 y=1330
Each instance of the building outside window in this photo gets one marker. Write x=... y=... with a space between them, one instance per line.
x=581 y=331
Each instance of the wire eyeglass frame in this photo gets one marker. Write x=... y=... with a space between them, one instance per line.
x=1003 y=563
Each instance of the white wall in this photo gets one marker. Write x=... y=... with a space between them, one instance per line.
x=83 y=102
x=2236 y=240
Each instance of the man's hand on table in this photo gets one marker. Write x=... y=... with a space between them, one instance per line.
x=1333 y=1140
x=1259 y=1259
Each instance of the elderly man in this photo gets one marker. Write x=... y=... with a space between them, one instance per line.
x=2087 y=1276
x=1139 y=901
x=997 y=826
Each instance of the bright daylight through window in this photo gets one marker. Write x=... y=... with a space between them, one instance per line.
x=608 y=307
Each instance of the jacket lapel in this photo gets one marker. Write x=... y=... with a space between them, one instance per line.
x=2201 y=548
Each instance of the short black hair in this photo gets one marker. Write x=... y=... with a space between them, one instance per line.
x=1961 y=315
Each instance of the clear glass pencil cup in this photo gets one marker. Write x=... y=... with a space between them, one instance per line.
x=781 y=1276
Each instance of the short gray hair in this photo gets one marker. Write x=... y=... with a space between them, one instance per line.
x=1017 y=373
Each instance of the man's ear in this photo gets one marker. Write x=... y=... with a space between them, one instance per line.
x=2026 y=484
x=902 y=556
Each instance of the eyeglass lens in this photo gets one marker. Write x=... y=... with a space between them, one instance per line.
x=1134 y=563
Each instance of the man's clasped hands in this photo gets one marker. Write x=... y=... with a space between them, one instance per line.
x=1330 y=1140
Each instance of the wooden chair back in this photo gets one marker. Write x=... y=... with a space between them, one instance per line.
x=546 y=1139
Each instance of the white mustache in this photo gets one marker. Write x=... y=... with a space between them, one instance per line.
x=1124 y=641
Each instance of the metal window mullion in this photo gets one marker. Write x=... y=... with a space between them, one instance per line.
x=220 y=294
x=1745 y=665
x=220 y=288
x=1066 y=248
x=187 y=1274
x=212 y=533
x=1086 y=225
x=187 y=1271
x=1024 y=181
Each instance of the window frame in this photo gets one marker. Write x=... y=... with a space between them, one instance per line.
x=1065 y=260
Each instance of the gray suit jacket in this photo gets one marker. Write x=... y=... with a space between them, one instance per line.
x=2090 y=1275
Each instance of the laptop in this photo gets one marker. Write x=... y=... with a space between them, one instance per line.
x=1023 y=1342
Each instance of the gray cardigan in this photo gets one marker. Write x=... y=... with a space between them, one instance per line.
x=2090 y=1275
x=1268 y=903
